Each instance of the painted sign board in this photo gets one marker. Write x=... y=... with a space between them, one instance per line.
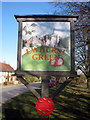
x=45 y=46
x=46 y=43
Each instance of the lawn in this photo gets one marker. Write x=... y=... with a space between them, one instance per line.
x=71 y=104
x=28 y=63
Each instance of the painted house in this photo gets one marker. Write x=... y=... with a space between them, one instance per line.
x=46 y=42
x=6 y=72
x=33 y=42
x=52 y=40
x=61 y=39
x=55 y=38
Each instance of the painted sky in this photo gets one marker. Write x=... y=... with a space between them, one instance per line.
x=43 y=28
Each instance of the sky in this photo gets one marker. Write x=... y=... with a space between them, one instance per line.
x=10 y=26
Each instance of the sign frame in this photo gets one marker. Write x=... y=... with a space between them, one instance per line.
x=47 y=18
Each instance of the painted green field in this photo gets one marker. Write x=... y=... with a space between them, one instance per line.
x=36 y=60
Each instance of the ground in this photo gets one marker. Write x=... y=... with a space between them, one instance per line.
x=30 y=62
x=71 y=104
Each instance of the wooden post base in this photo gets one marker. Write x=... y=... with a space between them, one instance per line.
x=45 y=91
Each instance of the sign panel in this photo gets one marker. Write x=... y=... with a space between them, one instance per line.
x=46 y=46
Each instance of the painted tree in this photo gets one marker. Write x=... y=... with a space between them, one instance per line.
x=30 y=31
x=82 y=38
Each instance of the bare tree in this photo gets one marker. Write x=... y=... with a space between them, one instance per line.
x=82 y=38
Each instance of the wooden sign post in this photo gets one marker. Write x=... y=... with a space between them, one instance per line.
x=46 y=48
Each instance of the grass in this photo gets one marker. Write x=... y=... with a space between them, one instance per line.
x=71 y=104
x=29 y=64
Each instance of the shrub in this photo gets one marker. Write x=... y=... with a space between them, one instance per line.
x=32 y=79
x=79 y=80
